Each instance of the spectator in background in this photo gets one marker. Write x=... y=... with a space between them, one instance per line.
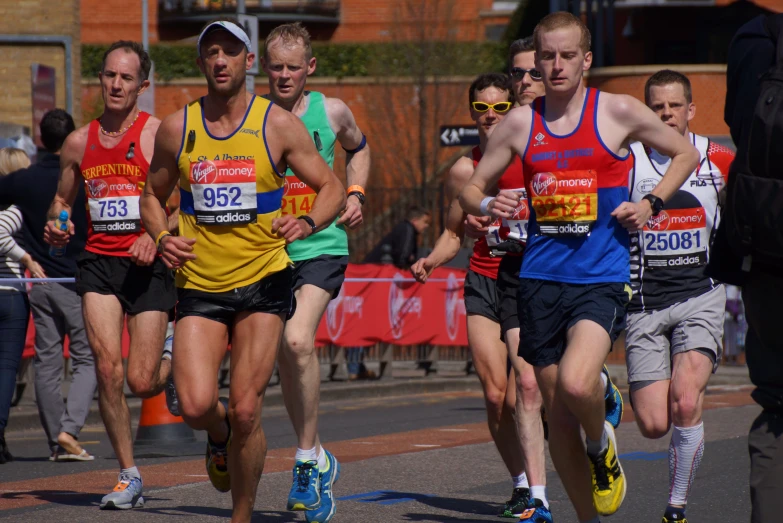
x=751 y=54
x=403 y=240
x=14 y=307
x=56 y=307
x=732 y=326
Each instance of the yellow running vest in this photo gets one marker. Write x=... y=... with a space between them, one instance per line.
x=230 y=193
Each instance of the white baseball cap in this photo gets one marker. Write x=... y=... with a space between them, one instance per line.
x=231 y=27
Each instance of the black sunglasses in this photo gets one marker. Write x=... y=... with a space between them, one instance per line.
x=518 y=73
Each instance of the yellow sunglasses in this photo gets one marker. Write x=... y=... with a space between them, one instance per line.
x=500 y=107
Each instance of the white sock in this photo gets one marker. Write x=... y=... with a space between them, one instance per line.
x=306 y=455
x=520 y=481
x=685 y=451
x=604 y=380
x=594 y=448
x=132 y=472
x=322 y=464
x=539 y=492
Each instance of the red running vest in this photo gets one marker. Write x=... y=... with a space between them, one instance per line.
x=482 y=262
x=113 y=185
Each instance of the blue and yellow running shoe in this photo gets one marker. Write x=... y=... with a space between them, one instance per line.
x=613 y=401
x=329 y=477
x=609 y=484
x=536 y=512
x=306 y=488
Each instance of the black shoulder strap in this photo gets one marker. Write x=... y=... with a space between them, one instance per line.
x=773 y=24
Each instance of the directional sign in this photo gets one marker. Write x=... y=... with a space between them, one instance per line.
x=250 y=24
x=458 y=135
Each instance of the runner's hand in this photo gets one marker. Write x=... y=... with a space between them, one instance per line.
x=476 y=227
x=422 y=269
x=176 y=251
x=291 y=228
x=143 y=252
x=505 y=204
x=352 y=215
x=55 y=237
x=632 y=215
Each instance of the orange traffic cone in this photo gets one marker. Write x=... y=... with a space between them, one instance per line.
x=160 y=434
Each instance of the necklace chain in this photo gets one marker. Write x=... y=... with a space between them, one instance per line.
x=121 y=131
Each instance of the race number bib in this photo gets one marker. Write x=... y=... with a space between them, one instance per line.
x=515 y=228
x=676 y=238
x=114 y=205
x=224 y=192
x=298 y=198
x=493 y=234
x=565 y=202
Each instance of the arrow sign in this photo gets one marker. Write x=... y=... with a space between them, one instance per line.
x=458 y=135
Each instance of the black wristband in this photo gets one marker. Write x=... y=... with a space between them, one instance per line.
x=358 y=195
x=309 y=221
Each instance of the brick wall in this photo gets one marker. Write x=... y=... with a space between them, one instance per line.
x=708 y=84
x=36 y=17
x=390 y=20
x=104 y=21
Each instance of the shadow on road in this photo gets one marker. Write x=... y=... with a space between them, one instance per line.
x=273 y=516
x=60 y=497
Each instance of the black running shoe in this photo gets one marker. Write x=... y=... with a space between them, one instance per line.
x=515 y=506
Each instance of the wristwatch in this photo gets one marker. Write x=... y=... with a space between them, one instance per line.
x=656 y=204
x=309 y=221
x=358 y=195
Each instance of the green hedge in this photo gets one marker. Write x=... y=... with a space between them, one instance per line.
x=340 y=60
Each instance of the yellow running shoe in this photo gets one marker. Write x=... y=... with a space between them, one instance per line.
x=608 y=477
x=217 y=459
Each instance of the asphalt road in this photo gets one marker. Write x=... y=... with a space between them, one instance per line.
x=424 y=458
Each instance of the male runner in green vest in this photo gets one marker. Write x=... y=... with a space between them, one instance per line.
x=319 y=261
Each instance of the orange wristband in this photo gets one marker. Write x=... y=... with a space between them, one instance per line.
x=355 y=188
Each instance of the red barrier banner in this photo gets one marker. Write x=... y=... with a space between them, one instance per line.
x=384 y=306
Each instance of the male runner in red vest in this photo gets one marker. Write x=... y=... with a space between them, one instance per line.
x=574 y=288
x=119 y=275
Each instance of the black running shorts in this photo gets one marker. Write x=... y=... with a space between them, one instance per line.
x=326 y=272
x=481 y=296
x=508 y=286
x=139 y=289
x=272 y=295
x=547 y=309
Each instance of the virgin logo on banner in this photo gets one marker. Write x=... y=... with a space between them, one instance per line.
x=44 y=91
x=385 y=305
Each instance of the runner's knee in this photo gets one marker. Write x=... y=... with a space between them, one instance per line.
x=652 y=426
x=244 y=417
x=495 y=399
x=574 y=389
x=686 y=405
x=528 y=391
x=141 y=385
x=299 y=345
x=110 y=374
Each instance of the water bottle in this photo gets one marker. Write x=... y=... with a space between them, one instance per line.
x=61 y=223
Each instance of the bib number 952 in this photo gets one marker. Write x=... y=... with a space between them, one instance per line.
x=222 y=197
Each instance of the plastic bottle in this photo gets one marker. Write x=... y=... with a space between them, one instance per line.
x=61 y=223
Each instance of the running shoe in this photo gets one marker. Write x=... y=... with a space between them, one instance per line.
x=674 y=515
x=306 y=488
x=172 y=401
x=515 y=506
x=217 y=459
x=536 y=512
x=329 y=477
x=608 y=478
x=613 y=401
x=126 y=494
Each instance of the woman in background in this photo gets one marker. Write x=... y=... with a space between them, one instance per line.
x=14 y=307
